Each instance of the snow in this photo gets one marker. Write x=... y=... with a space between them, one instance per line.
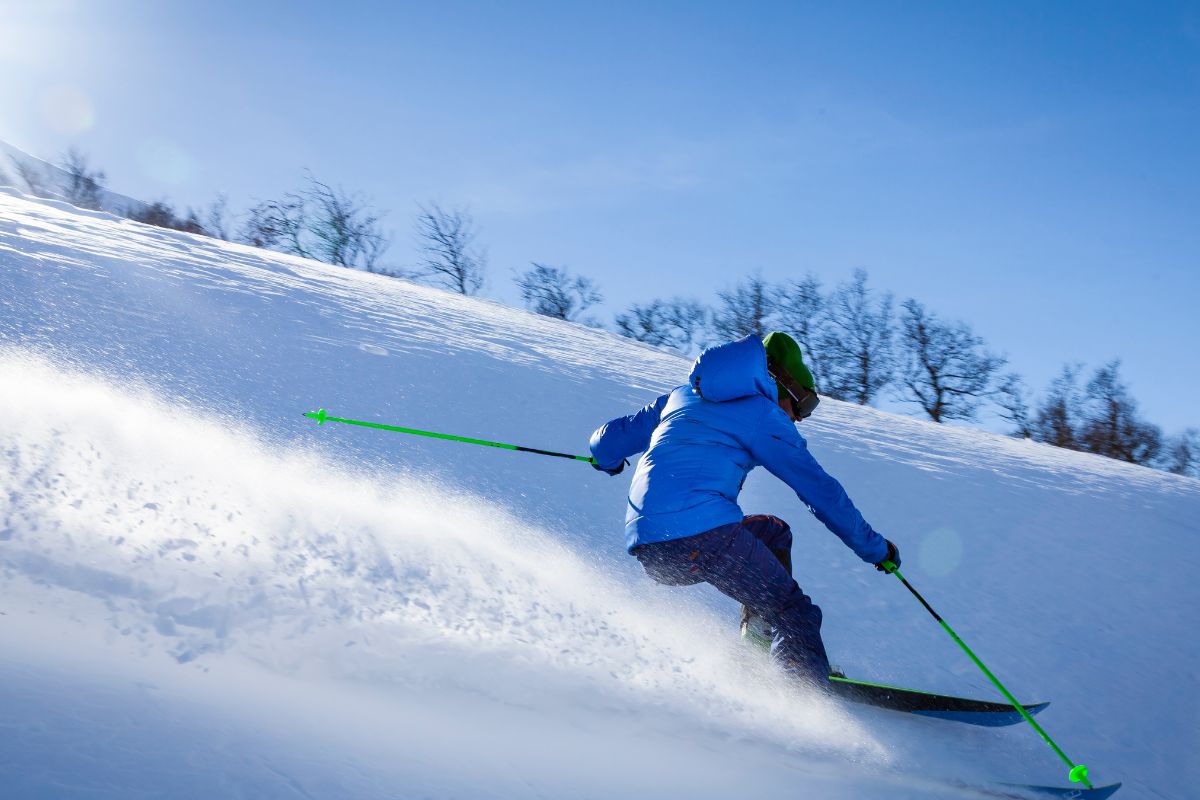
x=56 y=180
x=203 y=593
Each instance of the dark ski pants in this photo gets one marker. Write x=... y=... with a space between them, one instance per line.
x=751 y=562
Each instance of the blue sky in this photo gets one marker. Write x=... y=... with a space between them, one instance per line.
x=1031 y=168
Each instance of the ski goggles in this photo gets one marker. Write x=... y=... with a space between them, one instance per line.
x=804 y=400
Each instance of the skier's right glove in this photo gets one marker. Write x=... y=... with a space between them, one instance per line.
x=893 y=555
x=614 y=471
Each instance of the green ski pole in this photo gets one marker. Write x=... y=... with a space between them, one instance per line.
x=321 y=417
x=1079 y=773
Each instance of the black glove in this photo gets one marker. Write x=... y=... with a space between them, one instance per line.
x=893 y=555
x=614 y=471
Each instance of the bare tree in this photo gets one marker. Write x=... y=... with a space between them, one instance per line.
x=33 y=176
x=319 y=222
x=676 y=323
x=800 y=312
x=1059 y=416
x=191 y=223
x=216 y=221
x=161 y=214
x=554 y=292
x=344 y=229
x=856 y=343
x=83 y=187
x=277 y=225
x=746 y=310
x=1012 y=399
x=1111 y=425
x=449 y=257
x=1181 y=455
x=944 y=368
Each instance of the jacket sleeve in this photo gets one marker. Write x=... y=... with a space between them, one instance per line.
x=782 y=450
x=618 y=439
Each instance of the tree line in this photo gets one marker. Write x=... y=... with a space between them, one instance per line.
x=861 y=346
x=859 y=343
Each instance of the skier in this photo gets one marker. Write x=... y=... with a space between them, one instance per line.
x=698 y=443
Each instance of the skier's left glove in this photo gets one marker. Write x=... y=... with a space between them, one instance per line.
x=893 y=555
x=614 y=470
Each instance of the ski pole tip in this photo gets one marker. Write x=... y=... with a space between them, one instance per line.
x=1079 y=774
x=318 y=415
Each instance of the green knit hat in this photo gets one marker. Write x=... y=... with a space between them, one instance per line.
x=783 y=351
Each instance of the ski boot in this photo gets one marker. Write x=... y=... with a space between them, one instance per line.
x=756 y=632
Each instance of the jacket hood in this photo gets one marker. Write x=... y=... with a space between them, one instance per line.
x=733 y=371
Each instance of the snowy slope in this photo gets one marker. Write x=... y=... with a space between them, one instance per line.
x=54 y=179
x=204 y=594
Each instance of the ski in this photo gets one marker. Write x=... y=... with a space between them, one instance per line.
x=758 y=635
x=928 y=704
x=973 y=712
x=1020 y=791
x=1011 y=791
x=1016 y=791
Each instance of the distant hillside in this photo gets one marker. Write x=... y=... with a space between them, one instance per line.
x=53 y=180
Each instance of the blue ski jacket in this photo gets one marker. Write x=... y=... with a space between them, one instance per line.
x=700 y=441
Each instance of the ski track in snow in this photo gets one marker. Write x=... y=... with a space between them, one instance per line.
x=187 y=562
